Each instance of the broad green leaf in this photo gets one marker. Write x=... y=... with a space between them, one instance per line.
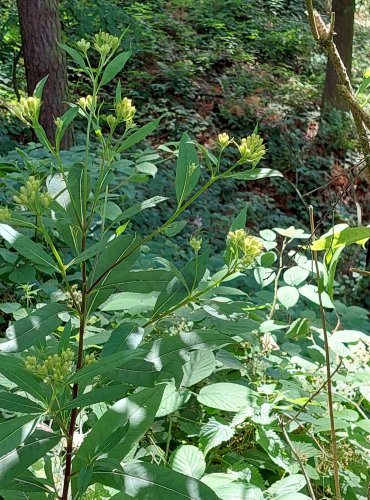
x=353 y=235
x=114 y=67
x=107 y=393
x=145 y=481
x=139 y=135
x=135 y=209
x=78 y=59
x=137 y=411
x=200 y=365
x=226 y=396
x=213 y=433
x=310 y=292
x=126 y=336
x=33 y=328
x=292 y=496
x=18 y=404
x=17 y=461
x=172 y=400
x=91 y=251
x=288 y=296
x=292 y=232
x=166 y=349
x=240 y=220
x=146 y=168
x=290 y=484
x=14 y=431
x=188 y=460
x=141 y=281
x=175 y=228
x=175 y=292
x=229 y=486
x=13 y=369
x=255 y=174
x=187 y=169
x=137 y=372
x=273 y=445
x=105 y=364
x=111 y=210
x=28 y=249
x=295 y=275
x=364 y=424
x=135 y=303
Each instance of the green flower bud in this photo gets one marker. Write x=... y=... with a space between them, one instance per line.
x=196 y=244
x=125 y=111
x=223 y=140
x=252 y=149
x=5 y=214
x=244 y=248
x=83 y=45
x=27 y=109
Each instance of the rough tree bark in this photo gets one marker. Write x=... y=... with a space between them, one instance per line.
x=344 y=24
x=41 y=31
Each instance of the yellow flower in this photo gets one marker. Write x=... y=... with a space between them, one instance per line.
x=5 y=214
x=105 y=43
x=125 y=111
x=85 y=102
x=196 y=244
x=83 y=45
x=252 y=149
x=27 y=109
x=244 y=247
x=223 y=140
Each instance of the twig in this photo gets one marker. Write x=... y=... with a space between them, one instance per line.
x=327 y=364
x=299 y=460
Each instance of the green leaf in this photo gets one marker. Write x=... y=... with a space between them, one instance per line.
x=172 y=400
x=67 y=119
x=288 y=296
x=137 y=372
x=255 y=174
x=33 y=328
x=78 y=59
x=213 y=433
x=310 y=292
x=111 y=210
x=175 y=228
x=13 y=369
x=76 y=188
x=137 y=411
x=28 y=248
x=126 y=336
x=188 y=460
x=91 y=251
x=135 y=303
x=175 y=292
x=229 y=486
x=290 y=484
x=114 y=67
x=187 y=169
x=15 y=431
x=107 y=393
x=139 y=135
x=18 y=404
x=200 y=365
x=17 y=461
x=295 y=275
x=146 y=168
x=226 y=396
x=144 y=481
x=104 y=365
x=141 y=281
x=135 y=209
x=40 y=87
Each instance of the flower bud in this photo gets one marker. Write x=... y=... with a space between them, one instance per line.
x=252 y=149
x=83 y=45
x=196 y=244
x=5 y=214
x=125 y=111
x=223 y=140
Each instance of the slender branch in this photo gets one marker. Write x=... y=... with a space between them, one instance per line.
x=301 y=464
x=328 y=371
x=276 y=286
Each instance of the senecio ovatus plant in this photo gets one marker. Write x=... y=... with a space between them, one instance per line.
x=57 y=376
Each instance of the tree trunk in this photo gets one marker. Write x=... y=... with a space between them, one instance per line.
x=344 y=24
x=41 y=31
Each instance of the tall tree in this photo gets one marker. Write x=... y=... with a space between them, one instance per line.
x=344 y=11
x=41 y=31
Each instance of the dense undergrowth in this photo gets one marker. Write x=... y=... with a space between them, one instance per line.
x=201 y=363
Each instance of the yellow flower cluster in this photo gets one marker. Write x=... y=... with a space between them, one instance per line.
x=252 y=149
x=196 y=244
x=104 y=43
x=83 y=45
x=125 y=111
x=223 y=140
x=85 y=102
x=5 y=214
x=90 y=359
x=244 y=247
x=31 y=197
x=55 y=368
x=27 y=109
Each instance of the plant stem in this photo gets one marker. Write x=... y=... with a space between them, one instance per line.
x=278 y=274
x=168 y=438
x=327 y=365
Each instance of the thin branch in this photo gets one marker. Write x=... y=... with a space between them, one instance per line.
x=328 y=371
